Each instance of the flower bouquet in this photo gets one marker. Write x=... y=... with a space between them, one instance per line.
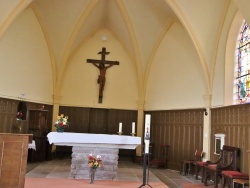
x=93 y=164
x=19 y=115
x=61 y=123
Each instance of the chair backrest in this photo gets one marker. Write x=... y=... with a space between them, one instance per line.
x=198 y=155
x=230 y=156
x=164 y=149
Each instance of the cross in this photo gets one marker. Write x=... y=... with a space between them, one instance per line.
x=100 y=64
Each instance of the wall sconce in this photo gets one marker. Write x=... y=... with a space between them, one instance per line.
x=205 y=112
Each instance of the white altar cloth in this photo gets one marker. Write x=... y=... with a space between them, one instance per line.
x=94 y=140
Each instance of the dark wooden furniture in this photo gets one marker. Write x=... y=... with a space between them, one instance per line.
x=242 y=182
x=14 y=151
x=188 y=165
x=38 y=127
x=43 y=150
x=38 y=120
x=162 y=159
x=228 y=160
x=229 y=177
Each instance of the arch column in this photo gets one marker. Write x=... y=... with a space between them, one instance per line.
x=207 y=126
x=140 y=118
x=56 y=101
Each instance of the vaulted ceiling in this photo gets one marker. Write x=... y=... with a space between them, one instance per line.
x=139 y=25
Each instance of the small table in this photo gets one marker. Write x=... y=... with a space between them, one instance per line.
x=242 y=182
x=32 y=147
x=186 y=166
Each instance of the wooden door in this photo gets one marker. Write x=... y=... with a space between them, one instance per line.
x=98 y=119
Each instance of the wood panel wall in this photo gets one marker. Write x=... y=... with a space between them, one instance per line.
x=234 y=122
x=8 y=112
x=99 y=120
x=182 y=130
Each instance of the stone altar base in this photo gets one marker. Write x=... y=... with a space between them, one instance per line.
x=79 y=163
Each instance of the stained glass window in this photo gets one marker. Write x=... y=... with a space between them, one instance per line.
x=242 y=66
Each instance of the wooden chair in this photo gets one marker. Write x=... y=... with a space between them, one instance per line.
x=188 y=165
x=228 y=160
x=162 y=159
x=228 y=177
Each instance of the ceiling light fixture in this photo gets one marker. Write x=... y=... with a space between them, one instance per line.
x=104 y=37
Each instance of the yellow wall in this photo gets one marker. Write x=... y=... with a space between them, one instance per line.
x=175 y=79
x=80 y=86
x=25 y=61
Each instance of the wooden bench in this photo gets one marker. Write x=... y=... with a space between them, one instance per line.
x=188 y=165
x=162 y=159
x=228 y=160
x=242 y=182
x=231 y=177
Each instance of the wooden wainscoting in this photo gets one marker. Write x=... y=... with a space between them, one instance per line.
x=100 y=121
x=234 y=122
x=182 y=130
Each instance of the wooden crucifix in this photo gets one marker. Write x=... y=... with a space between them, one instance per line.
x=100 y=64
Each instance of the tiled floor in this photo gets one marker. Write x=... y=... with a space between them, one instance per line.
x=127 y=171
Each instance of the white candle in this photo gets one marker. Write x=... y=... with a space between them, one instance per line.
x=147 y=126
x=146 y=146
x=147 y=132
x=120 y=127
x=133 y=127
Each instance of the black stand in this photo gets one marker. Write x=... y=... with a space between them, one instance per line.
x=145 y=168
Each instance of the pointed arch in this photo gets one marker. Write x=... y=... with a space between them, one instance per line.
x=186 y=24
x=13 y=14
x=66 y=53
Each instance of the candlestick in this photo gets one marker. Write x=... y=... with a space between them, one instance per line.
x=120 y=133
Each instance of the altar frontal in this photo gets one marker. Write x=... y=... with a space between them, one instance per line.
x=97 y=144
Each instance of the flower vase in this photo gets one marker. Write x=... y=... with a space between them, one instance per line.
x=59 y=129
x=92 y=172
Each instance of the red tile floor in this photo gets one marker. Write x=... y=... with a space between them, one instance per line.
x=127 y=171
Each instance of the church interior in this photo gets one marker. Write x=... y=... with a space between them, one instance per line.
x=106 y=64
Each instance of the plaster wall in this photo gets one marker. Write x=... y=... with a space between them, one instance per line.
x=175 y=80
x=25 y=61
x=121 y=82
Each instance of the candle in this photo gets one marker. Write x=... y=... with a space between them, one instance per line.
x=146 y=146
x=120 y=127
x=147 y=132
x=133 y=127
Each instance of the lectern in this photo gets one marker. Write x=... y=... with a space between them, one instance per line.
x=13 y=159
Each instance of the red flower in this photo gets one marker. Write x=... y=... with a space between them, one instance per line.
x=19 y=115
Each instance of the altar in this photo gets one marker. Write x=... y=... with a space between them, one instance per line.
x=97 y=144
